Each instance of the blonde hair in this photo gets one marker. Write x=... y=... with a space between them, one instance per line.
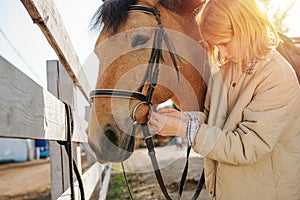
x=243 y=19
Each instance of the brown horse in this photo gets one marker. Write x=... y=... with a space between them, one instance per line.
x=123 y=49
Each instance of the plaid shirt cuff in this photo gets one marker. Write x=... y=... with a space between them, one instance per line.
x=192 y=126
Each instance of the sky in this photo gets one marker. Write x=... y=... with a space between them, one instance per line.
x=293 y=17
x=23 y=44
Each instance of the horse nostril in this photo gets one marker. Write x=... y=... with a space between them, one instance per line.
x=110 y=134
x=112 y=137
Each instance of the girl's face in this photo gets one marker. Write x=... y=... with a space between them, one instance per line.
x=227 y=49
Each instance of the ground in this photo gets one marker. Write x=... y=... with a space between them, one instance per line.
x=25 y=180
x=31 y=180
x=172 y=161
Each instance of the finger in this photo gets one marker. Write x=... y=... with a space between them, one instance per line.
x=155 y=121
x=165 y=110
x=152 y=116
x=156 y=116
x=158 y=121
x=154 y=126
x=173 y=113
x=152 y=130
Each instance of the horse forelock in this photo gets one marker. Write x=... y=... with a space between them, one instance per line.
x=113 y=13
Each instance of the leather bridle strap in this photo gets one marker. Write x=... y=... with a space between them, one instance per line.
x=156 y=56
x=117 y=93
x=199 y=186
x=144 y=9
x=152 y=71
x=151 y=75
x=68 y=147
x=151 y=153
x=184 y=175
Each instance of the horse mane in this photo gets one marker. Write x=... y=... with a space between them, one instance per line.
x=113 y=13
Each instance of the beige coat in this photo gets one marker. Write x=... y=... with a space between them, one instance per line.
x=251 y=137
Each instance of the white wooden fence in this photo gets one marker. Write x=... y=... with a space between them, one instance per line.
x=30 y=111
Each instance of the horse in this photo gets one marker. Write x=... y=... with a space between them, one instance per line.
x=125 y=48
x=289 y=48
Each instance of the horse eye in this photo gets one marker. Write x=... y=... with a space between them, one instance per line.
x=139 y=40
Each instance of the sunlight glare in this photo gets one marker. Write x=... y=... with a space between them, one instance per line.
x=292 y=19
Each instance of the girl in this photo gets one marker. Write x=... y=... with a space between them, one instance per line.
x=249 y=132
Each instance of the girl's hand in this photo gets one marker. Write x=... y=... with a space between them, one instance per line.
x=168 y=122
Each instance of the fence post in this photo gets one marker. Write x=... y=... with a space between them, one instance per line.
x=60 y=85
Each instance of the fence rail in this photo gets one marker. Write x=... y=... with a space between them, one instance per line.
x=90 y=180
x=29 y=111
x=46 y=15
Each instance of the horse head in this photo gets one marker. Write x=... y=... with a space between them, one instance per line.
x=125 y=49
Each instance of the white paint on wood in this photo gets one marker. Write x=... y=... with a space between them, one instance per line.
x=59 y=172
x=27 y=110
x=46 y=15
x=61 y=86
x=80 y=129
x=90 y=179
x=105 y=183
x=54 y=118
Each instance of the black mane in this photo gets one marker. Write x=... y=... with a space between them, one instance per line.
x=113 y=13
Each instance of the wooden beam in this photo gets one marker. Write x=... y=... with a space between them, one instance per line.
x=90 y=179
x=46 y=15
x=105 y=183
x=61 y=86
x=29 y=111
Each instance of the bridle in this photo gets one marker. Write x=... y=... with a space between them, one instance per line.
x=151 y=76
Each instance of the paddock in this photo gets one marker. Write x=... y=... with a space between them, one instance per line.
x=29 y=111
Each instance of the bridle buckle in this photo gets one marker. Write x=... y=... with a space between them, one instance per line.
x=135 y=109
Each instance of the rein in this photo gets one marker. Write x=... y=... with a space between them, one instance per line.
x=151 y=75
x=69 y=150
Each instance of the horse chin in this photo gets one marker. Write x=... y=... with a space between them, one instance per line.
x=108 y=150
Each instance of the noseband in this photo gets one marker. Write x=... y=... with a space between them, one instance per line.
x=150 y=76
